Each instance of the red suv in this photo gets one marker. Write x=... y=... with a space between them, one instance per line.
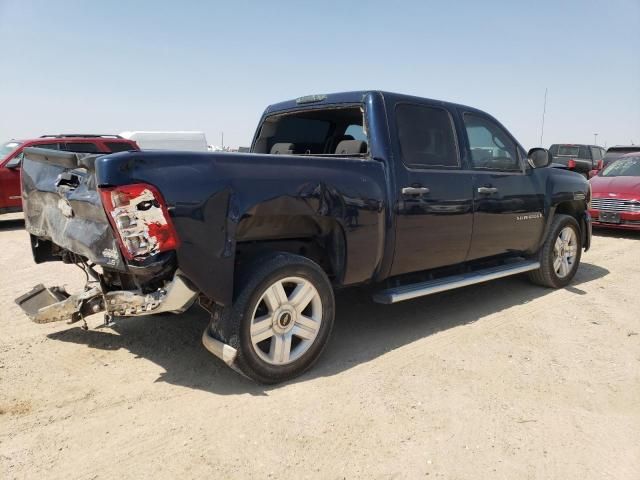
x=11 y=158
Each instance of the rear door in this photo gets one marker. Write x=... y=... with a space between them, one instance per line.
x=508 y=199
x=433 y=194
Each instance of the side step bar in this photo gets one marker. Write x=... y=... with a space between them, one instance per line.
x=415 y=290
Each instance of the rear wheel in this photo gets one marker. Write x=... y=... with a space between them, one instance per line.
x=281 y=318
x=560 y=254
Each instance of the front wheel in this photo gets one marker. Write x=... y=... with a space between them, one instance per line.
x=560 y=254
x=281 y=318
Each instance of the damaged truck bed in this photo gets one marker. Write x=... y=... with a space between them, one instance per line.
x=67 y=221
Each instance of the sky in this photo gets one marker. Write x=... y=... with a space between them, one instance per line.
x=111 y=66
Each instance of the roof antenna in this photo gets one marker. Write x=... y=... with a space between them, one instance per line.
x=544 y=110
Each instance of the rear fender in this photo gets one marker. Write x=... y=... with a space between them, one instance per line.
x=320 y=239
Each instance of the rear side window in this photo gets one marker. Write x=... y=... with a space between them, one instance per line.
x=119 y=146
x=49 y=146
x=426 y=136
x=491 y=146
x=80 y=147
x=596 y=153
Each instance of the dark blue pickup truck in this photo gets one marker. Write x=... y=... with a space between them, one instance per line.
x=414 y=196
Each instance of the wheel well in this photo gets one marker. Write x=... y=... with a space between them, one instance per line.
x=568 y=208
x=322 y=242
x=575 y=210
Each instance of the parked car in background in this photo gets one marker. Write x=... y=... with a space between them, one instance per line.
x=11 y=153
x=579 y=158
x=612 y=154
x=413 y=195
x=615 y=190
x=182 y=141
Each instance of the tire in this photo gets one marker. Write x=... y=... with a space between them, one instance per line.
x=281 y=318
x=559 y=257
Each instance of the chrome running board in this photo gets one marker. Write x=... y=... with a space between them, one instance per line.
x=415 y=290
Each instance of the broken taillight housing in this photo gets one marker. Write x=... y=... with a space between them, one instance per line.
x=140 y=218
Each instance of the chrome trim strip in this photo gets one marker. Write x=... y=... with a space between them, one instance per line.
x=615 y=205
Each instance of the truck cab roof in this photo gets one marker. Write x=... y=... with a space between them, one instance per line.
x=352 y=98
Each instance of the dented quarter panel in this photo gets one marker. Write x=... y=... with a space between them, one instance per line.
x=218 y=199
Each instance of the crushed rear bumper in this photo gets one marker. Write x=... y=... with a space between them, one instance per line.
x=45 y=305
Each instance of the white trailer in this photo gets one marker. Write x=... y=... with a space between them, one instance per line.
x=185 y=141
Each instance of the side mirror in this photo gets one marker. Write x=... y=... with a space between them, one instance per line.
x=15 y=161
x=592 y=173
x=600 y=165
x=539 y=158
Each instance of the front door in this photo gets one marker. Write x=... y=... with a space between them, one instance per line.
x=508 y=198
x=10 y=198
x=434 y=195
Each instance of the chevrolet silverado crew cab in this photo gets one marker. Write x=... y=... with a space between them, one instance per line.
x=11 y=157
x=410 y=195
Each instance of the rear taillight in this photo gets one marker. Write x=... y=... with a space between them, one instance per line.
x=140 y=218
x=571 y=163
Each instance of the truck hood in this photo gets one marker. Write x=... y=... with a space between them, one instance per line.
x=619 y=186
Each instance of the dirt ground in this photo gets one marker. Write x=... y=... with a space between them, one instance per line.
x=501 y=380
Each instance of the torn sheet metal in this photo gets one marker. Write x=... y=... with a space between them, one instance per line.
x=61 y=203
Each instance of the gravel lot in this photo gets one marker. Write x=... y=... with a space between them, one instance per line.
x=501 y=380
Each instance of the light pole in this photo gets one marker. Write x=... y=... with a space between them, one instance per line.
x=544 y=110
x=595 y=138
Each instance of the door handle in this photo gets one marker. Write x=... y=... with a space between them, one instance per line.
x=415 y=190
x=487 y=190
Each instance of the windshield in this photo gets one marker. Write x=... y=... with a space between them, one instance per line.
x=8 y=148
x=625 y=167
x=614 y=154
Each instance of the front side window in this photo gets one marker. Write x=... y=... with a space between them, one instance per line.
x=8 y=148
x=426 y=136
x=491 y=147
